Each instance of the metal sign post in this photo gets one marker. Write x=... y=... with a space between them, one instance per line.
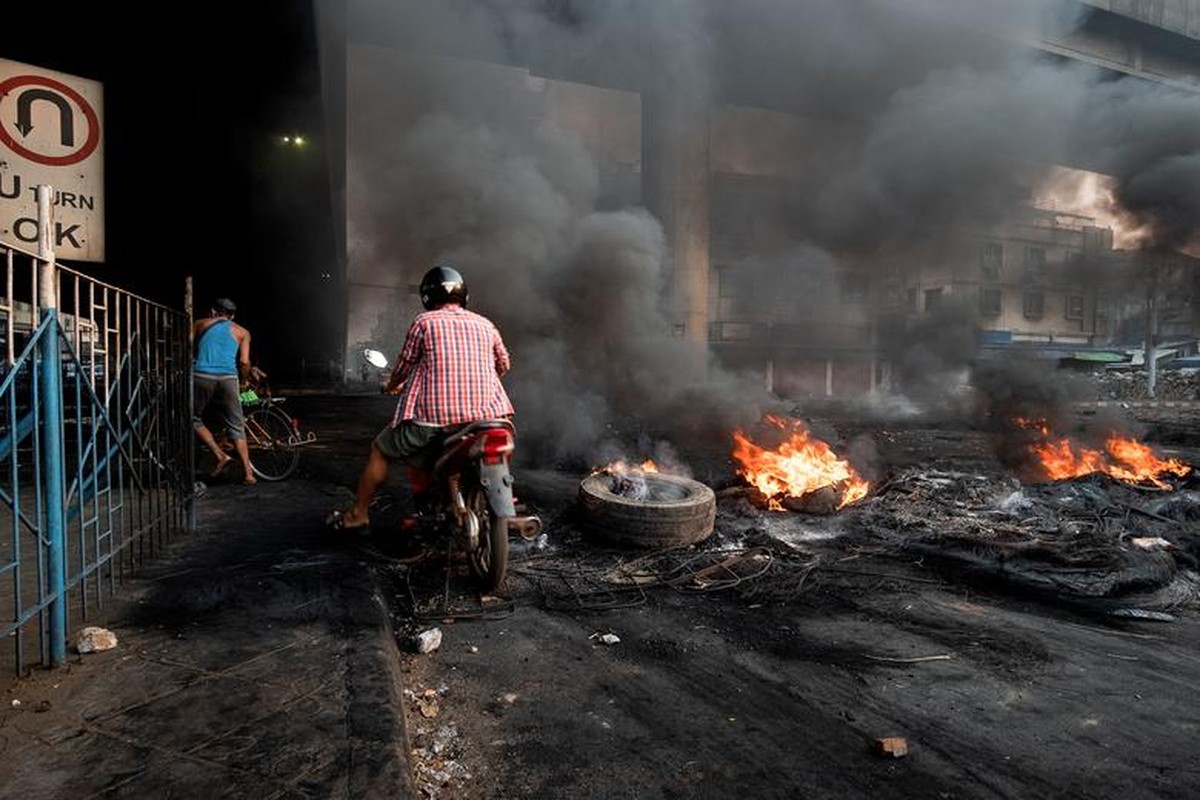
x=53 y=475
x=189 y=508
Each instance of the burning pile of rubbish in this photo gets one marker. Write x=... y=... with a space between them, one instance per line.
x=1101 y=520
x=800 y=473
x=1111 y=525
x=1058 y=457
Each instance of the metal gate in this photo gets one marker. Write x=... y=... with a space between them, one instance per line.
x=96 y=445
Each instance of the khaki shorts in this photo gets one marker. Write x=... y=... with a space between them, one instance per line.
x=411 y=444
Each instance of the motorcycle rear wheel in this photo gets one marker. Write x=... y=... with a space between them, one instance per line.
x=489 y=561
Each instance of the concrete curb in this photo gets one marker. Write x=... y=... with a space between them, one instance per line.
x=380 y=766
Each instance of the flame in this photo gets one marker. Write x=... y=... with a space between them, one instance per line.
x=1122 y=458
x=800 y=465
x=621 y=465
x=1091 y=194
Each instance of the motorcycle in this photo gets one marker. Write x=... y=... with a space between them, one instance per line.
x=468 y=497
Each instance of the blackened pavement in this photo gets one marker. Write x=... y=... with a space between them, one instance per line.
x=255 y=659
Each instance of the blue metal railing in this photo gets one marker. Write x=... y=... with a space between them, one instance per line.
x=95 y=447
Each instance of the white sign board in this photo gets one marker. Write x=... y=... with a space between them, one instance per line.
x=50 y=133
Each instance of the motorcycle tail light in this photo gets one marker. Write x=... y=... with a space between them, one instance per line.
x=497 y=445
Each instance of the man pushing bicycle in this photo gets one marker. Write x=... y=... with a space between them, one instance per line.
x=222 y=362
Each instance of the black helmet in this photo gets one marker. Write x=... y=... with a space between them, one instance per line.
x=443 y=284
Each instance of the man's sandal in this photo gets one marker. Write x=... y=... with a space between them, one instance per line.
x=336 y=521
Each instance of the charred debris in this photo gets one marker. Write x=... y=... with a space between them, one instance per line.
x=949 y=502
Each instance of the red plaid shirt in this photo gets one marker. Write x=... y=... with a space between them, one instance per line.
x=451 y=364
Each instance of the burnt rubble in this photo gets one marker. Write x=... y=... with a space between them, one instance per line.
x=942 y=506
x=1171 y=385
x=1090 y=541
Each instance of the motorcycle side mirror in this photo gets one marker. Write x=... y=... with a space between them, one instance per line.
x=375 y=358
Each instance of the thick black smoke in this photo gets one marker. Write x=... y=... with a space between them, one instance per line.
x=1028 y=402
x=932 y=358
x=929 y=122
x=1148 y=137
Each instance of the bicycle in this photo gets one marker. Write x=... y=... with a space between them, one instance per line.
x=273 y=437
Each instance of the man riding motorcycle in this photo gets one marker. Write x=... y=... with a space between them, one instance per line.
x=448 y=374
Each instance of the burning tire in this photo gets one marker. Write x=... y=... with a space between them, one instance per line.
x=672 y=511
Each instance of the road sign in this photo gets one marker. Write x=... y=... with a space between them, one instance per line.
x=51 y=132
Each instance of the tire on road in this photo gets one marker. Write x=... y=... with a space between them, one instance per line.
x=676 y=512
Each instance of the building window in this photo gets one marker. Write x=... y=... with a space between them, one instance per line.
x=1074 y=308
x=990 y=302
x=933 y=300
x=991 y=260
x=1035 y=264
x=1034 y=305
x=1102 y=324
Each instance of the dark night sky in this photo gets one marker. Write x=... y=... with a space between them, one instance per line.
x=197 y=181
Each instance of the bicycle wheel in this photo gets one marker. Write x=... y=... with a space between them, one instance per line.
x=272 y=443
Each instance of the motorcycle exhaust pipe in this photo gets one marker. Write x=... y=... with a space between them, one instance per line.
x=528 y=528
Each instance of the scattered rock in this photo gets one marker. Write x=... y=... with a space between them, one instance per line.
x=1151 y=543
x=430 y=640
x=428 y=705
x=606 y=638
x=94 y=640
x=892 y=747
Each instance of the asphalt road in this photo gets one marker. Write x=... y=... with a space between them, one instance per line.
x=775 y=685
x=257 y=661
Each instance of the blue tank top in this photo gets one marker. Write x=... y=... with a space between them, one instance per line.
x=216 y=352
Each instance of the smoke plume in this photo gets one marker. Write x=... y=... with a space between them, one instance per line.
x=921 y=123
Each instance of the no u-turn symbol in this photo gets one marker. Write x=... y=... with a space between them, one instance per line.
x=46 y=121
